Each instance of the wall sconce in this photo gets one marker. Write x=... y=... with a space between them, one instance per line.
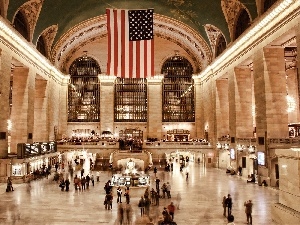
x=240 y=147
x=226 y=146
x=251 y=149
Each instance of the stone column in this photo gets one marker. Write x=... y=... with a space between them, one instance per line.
x=107 y=103
x=243 y=102
x=57 y=111
x=232 y=103
x=198 y=109
x=63 y=106
x=209 y=110
x=5 y=71
x=154 y=121
x=40 y=111
x=222 y=107
x=22 y=113
x=270 y=93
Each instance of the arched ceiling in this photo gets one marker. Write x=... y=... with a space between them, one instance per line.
x=68 y=13
x=65 y=20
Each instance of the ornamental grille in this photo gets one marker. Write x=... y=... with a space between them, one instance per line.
x=178 y=91
x=84 y=91
x=130 y=100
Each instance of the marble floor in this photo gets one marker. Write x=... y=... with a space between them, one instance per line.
x=43 y=203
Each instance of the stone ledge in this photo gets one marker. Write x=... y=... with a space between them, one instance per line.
x=284 y=215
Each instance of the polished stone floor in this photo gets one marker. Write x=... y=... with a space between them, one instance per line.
x=43 y=203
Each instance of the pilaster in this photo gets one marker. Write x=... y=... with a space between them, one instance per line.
x=154 y=114
x=40 y=111
x=22 y=113
x=270 y=93
x=107 y=103
x=198 y=108
x=243 y=102
x=63 y=110
x=5 y=71
x=222 y=107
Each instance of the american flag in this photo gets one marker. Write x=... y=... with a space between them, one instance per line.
x=130 y=43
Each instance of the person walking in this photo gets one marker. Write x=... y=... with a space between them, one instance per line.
x=119 y=195
x=9 y=185
x=93 y=181
x=147 y=206
x=127 y=195
x=152 y=196
x=157 y=183
x=67 y=183
x=248 y=210
x=141 y=205
x=178 y=200
x=87 y=181
x=108 y=201
x=224 y=205
x=168 y=190
x=155 y=171
x=229 y=204
x=171 y=209
x=62 y=185
x=98 y=176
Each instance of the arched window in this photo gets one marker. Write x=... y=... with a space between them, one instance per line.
x=20 y=24
x=268 y=4
x=130 y=100
x=242 y=24
x=41 y=46
x=221 y=45
x=178 y=91
x=84 y=91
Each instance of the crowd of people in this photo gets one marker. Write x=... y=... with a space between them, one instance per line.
x=150 y=199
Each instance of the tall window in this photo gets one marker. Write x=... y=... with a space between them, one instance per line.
x=242 y=24
x=20 y=24
x=178 y=91
x=84 y=91
x=41 y=46
x=130 y=100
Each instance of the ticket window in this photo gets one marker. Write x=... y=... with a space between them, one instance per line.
x=142 y=181
x=121 y=181
x=17 y=170
x=127 y=181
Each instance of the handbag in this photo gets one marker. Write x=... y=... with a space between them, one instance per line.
x=104 y=202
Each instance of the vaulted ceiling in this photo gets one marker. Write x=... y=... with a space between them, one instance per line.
x=62 y=21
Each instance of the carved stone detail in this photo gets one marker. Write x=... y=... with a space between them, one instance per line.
x=49 y=35
x=213 y=34
x=31 y=10
x=164 y=27
x=230 y=9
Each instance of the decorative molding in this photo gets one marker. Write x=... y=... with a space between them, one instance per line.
x=213 y=34
x=31 y=10
x=49 y=35
x=282 y=19
x=164 y=27
x=231 y=9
